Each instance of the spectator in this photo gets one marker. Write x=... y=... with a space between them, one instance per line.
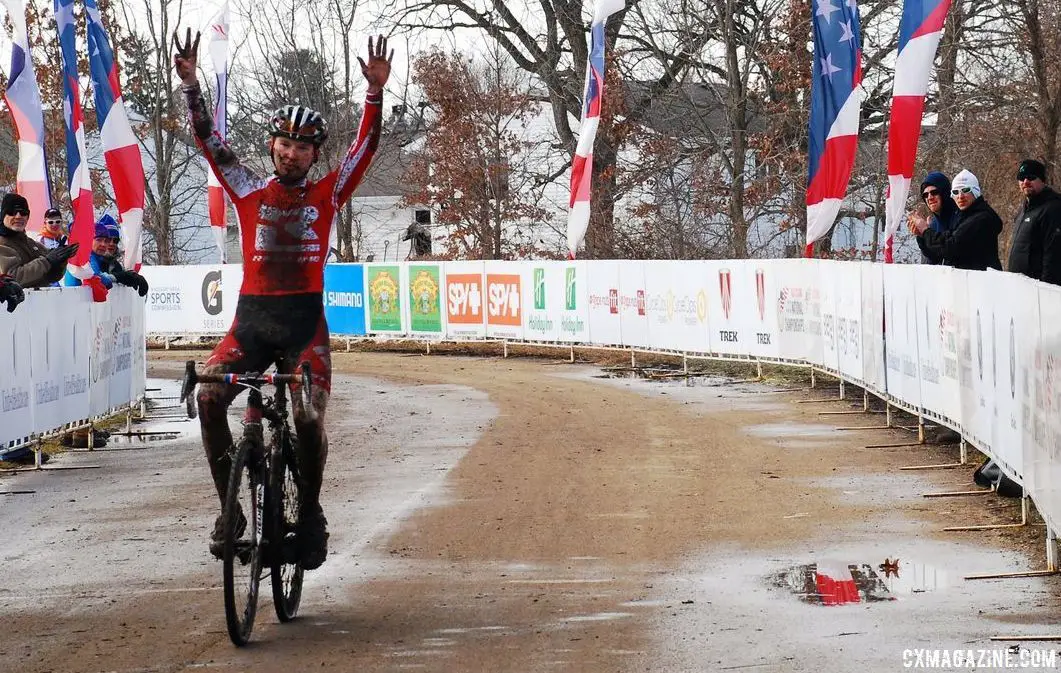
x=103 y=259
x=942 y=211
x=11 y=292
x=27 y=261
x=973 y=243
x=52 y=235
x=1035 y=249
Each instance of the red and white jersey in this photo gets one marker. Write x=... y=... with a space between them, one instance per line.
x=285 y=228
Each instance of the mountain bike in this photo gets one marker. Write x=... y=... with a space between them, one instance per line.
x=260 y=514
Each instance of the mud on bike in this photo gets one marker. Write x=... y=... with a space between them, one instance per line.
x=261 y=508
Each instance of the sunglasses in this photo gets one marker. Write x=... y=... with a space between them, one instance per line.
x=962 y=190
x=20 y=211
x=929 y=192
x=1027 y=178
x=54 y=221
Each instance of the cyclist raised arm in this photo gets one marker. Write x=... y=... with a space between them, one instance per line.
x=286 y=222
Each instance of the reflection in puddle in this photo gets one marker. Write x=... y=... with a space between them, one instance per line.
x=837 y=583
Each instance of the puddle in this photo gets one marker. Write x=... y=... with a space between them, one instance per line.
x=143 y=437
x=838 y=583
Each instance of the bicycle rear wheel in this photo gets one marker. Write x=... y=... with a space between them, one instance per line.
x=287 y=571
x=242 y=551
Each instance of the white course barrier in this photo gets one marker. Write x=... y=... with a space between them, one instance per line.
x=979 y=352
x=65 y=360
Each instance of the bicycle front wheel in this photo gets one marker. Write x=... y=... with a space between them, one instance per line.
x=242 y=551
x=284 y=508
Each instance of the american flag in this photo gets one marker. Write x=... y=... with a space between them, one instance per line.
x=23 y=98
x=215 y=194
x=835 y=102
x=79 y=180
x=582 y=164
x=121 y=149
x=919 y=34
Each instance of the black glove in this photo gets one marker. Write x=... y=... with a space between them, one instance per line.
x=133 y=280
x=127 y=278
x=58 y=256
x=11 y=292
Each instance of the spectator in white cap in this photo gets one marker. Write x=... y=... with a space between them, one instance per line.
x=973 y=243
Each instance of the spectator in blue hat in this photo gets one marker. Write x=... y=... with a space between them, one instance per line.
x=104 y=259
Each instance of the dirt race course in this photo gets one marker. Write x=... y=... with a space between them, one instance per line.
x=516 y=515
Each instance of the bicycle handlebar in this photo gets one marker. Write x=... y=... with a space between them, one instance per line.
x=192 y=378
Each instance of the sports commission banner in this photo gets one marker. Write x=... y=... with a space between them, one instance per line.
x=194 y=299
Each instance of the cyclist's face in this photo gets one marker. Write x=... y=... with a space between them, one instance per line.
x=292 y=158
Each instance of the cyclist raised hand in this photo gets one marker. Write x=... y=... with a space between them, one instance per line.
x=286 y=222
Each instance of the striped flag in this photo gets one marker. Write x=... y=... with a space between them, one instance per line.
x=919 y=34
x=215 y=195
x=78 y=178
x=836 y=99
x=582 y=164
x=121 y=149
x=23 y=98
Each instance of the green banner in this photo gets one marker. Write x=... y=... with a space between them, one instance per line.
x=385 y=305
x=425 y=306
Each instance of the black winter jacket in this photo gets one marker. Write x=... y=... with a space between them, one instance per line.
x=972 y=244
x=1035 y=249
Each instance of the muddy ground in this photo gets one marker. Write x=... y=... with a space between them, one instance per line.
x=515 y=515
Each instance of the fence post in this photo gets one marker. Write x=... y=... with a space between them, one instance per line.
x=1051 y=550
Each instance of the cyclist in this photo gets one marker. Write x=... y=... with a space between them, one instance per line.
x=287 y=219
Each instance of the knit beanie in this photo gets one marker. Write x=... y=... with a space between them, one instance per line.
x=11 y=202
x=966 y=179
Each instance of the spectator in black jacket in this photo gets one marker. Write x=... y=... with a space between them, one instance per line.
x=1035 y=249
x=973 y=243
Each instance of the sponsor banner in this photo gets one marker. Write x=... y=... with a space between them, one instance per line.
x=978 y=385
x=555 y=302
x=16 y=372
x=828 y=357
x=937 y=343
x=67 y=358
x=344 y=299
x=763 y=276
x=465 y=300
x=677 y=305
x=425 y=299
x=873 y=363
x=1042 y=439
x=731 y=306
x=847 y=281
x=900 y=329
x=633 y=310
x=799 y=310
x=383 y=283
x=111 y=353
x=60 y=358
x=1016 y=309
x=504 y=298
x=574 y=303
x=602 y=284
x=542 y=299
x=193 y=299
